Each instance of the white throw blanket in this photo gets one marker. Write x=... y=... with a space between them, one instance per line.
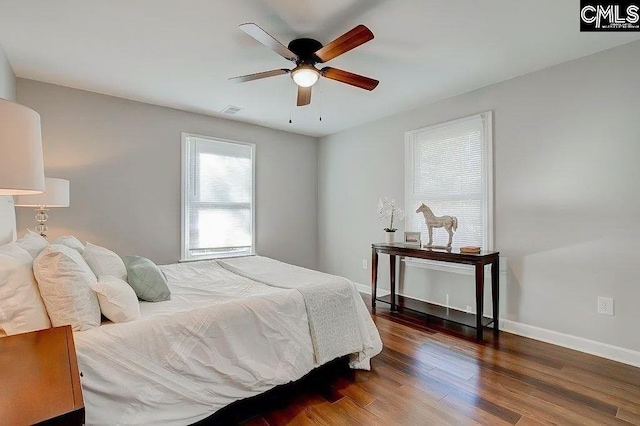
x=337 y=314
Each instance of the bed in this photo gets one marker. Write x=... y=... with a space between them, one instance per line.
x=233 y=329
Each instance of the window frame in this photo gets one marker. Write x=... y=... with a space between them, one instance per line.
x=184 y=238
x=487 y=180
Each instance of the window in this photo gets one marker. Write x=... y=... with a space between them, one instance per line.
x=218 y=207
x=449 y=167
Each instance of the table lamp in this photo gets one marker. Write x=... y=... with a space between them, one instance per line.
x=21 y=163
x=56 y=195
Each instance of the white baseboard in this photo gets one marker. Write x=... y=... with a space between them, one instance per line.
x=363 y=288
x=604 y=350
x=367 y=290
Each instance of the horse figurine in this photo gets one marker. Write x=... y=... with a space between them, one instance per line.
x=449 y=223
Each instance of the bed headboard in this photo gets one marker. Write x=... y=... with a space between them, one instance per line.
x=7 y=220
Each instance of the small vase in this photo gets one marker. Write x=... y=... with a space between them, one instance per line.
x=391 y=237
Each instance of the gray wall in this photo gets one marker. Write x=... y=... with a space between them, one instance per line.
x=7 y=79
x=567 y=195
x=123 y=161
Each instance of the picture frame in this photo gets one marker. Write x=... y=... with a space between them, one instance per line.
x=413 y=238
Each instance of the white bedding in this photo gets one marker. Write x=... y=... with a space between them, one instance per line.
x=222 y=337
x=337 y=328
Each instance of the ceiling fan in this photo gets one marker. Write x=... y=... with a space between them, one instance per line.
x=306 y=53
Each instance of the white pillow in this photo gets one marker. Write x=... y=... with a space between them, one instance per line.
x=71 y=242
x=118 y=301
x=21 y=308
x=65 y=282
x=104 y=262
x=33 y=242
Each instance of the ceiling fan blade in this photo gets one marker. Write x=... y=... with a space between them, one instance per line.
x=350 y=40
x=304 y=96
x=259 y=75
x=349 y=78
x=265 y=38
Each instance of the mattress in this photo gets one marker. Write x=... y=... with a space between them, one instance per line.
x=222 y=337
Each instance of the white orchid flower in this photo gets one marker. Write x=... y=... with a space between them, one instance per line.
x=387 y=209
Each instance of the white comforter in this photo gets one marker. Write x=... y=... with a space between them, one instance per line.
x=222 y=337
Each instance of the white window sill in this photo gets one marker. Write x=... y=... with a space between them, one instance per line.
x=218 y=256
x=456 y=268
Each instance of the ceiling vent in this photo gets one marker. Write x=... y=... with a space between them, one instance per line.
x=231 y=109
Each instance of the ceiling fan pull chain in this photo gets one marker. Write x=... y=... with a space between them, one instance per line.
x=291 y=84
x=320 y=86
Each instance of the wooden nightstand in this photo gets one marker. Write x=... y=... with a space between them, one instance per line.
x=39 y=379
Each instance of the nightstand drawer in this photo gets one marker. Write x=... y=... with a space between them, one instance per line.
x=39 y=379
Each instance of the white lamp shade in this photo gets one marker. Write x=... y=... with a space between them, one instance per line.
x=21 y=164
x=56 y=195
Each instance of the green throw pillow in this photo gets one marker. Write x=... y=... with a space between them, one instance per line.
x=146 y=279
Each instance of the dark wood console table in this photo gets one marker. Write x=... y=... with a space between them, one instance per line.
x=479 y=260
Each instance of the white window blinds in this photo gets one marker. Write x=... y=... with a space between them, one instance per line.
x=218 y=198
x=449 y=168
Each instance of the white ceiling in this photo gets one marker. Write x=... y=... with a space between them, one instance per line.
x=180 y=53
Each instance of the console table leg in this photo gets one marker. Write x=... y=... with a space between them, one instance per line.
x=495 y=294
x=374 y=277
x=392 y=276
x=479 y=300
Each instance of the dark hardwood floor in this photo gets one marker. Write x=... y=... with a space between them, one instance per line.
x=427 y=376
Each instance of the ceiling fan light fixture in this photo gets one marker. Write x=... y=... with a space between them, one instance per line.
x=305 y=75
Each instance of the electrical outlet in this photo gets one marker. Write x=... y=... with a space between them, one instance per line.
x=605 y=306
x=364 y=264
x=468 y=309
x=446 y=303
